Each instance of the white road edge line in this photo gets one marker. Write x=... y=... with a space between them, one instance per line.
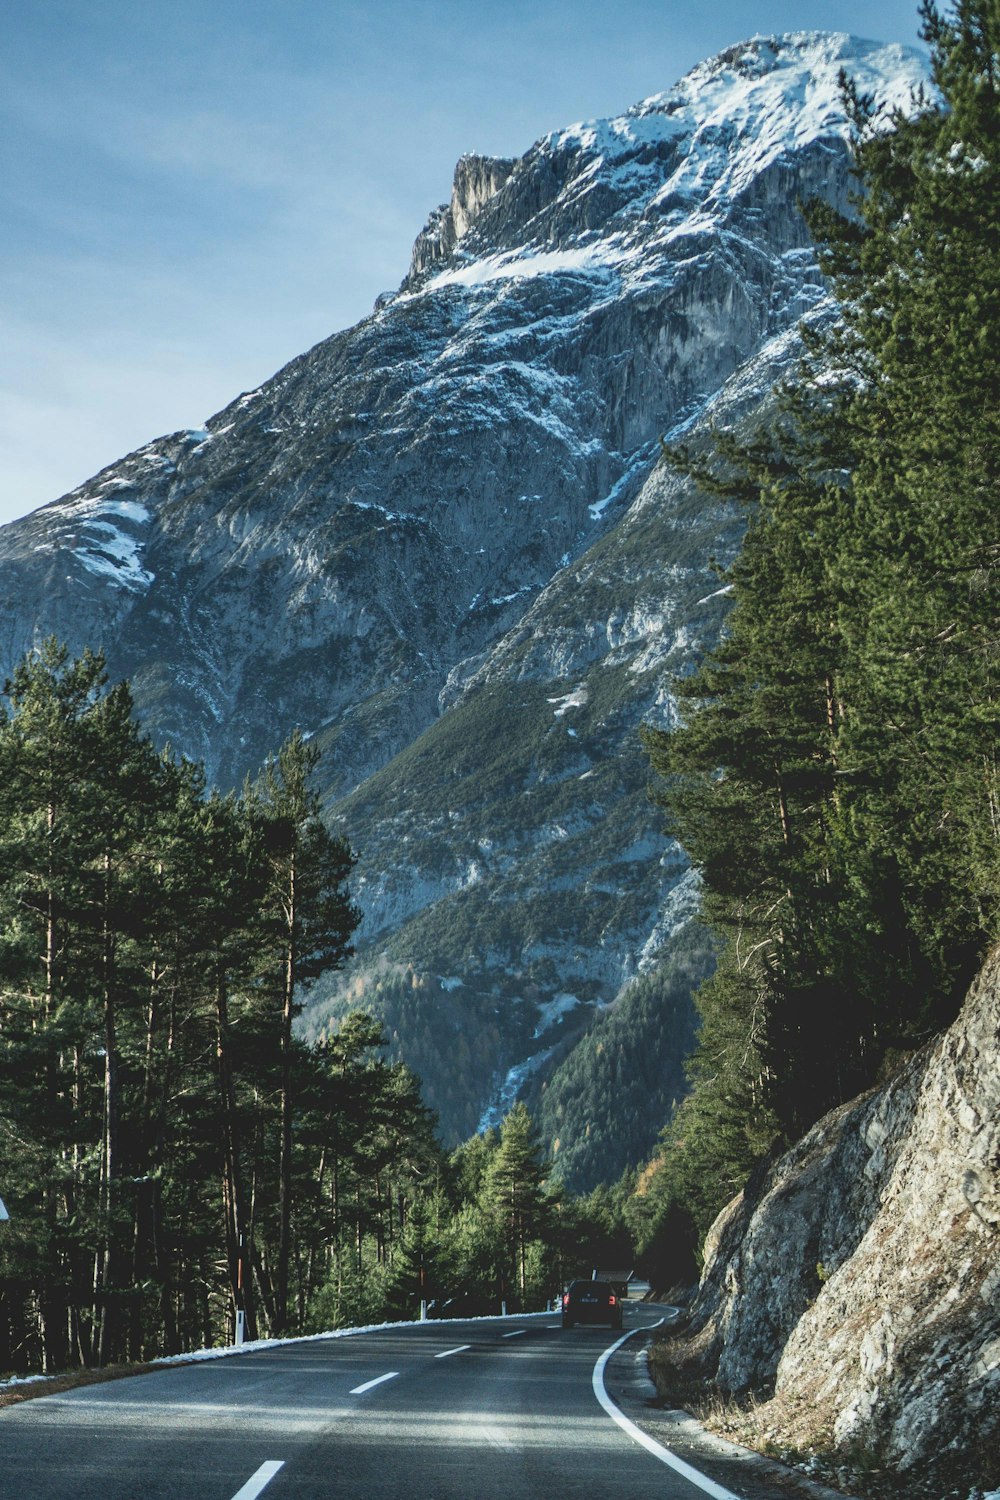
x=459 y=1350
x=359 y=1390
x=514 y=1334
x=686 y=1470
x=257 y=1481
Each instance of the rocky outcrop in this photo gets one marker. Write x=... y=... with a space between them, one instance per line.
x=860 y=1276
x=477 y=179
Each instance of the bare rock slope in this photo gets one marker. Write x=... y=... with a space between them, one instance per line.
x=861 y=1276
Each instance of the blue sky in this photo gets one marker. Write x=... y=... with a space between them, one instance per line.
x=195 y=191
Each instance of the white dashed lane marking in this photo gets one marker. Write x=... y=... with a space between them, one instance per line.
x=257 y=1481
x=359 y=1390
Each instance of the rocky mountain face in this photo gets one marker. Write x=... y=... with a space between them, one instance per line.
x=440 y=543
x=859 y=1278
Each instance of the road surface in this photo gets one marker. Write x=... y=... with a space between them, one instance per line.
x=482 y=1410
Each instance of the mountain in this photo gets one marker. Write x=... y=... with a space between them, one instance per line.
x=440 y=542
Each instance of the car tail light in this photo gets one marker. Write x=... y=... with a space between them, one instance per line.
x=565 y=1299
x=611 y=1300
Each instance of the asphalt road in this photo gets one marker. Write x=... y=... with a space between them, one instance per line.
x=483 y=1410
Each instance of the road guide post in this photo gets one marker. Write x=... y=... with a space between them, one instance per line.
x=241 y=1312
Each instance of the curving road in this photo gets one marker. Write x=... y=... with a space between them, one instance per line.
x=483 y=1410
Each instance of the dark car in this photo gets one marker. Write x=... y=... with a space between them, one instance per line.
x=591 y=1302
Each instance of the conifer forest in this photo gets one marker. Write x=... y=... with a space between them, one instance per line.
x=176 y=1153
x=835 y=780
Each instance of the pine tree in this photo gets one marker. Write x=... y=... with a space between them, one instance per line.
x=512 y=1194
x=919 y=280
x=307 y=921
x=84 y=794
x=835 y=779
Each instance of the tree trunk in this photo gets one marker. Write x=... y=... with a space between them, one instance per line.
x=238 y=1240
x=105 y=1267
x=285 y=1162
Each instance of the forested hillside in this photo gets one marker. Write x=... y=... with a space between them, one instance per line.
x=835 y=780
x=600 y=1106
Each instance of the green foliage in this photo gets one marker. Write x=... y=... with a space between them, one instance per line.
x=538 y=1235
x=355 y=1297
x=512 y=1195
x=485 y=1228
x=601 y=1109
x=835 y=779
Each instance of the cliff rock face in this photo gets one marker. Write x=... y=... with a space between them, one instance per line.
x=440 y=545
x=861 y=1276
x=477 y=178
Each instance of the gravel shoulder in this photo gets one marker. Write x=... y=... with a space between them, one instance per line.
x=748 y=1474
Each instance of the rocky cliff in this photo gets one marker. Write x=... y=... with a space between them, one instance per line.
x=859 y=1278
x=439 y=544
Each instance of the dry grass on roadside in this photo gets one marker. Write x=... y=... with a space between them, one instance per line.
x=790 y=1430
x=676 y=1366
x=53 y=1385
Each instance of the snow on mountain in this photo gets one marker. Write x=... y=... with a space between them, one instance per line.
x=438 y=542
x=105 y=535
x=678 y=162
